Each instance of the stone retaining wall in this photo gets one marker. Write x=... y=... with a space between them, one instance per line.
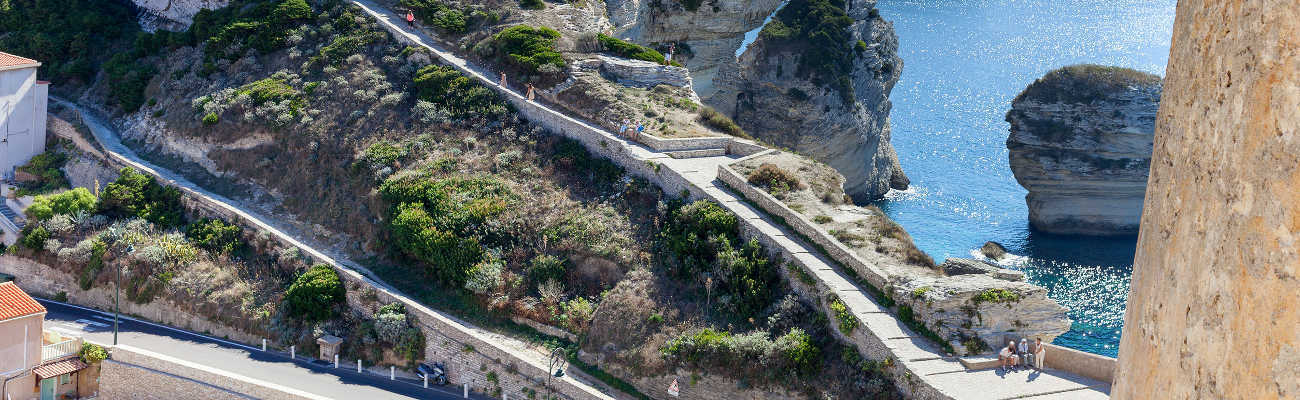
x=1085 y=364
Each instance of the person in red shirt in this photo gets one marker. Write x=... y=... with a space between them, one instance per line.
x=410 y=19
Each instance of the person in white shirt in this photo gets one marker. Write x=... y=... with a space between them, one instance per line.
x=1007 y=357
x=1022 y=351
x=1039 y=352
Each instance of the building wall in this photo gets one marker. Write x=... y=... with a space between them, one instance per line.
x=22 y=117
x=20 y=350
x=1213 y=312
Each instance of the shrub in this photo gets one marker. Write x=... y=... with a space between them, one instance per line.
x=822 y=219
x=799 y=352
x=699 y=237
x=439 y=14
x=92 y=353
x=485 y=277
x=314 y=294
x=34 y=238
x=215 y=235
x=629 y=50
x=532 y=4
x=996 y=296
x=210 y=119
x=774 y=178
x=69 y=202
x=716 y=120
x=382 y=153
x=456 y=93
x=546 y=267
x=416 y=235
x=847 y=321
x=137 y=194
x=691 y=5
x=1085 y=83
x=751 y=352
x=528 y=47
x=344 y=46
x=390 y=323
x=820 y=30
x=47 y=168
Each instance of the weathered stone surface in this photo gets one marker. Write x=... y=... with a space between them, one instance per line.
x=993 y=250
x=1081 y=144
x=755 y=89
x=1213 y=312
x=173 y=14
x=966 y=266
x=638 y=73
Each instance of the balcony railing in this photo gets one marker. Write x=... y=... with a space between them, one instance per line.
x=61 y=349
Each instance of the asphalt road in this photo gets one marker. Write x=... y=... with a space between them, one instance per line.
x=300 y=374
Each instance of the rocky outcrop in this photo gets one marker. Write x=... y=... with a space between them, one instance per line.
x=1080 y=142
x=762 y=93
x=636 y=73
x=1215 y=274
x=173 y=14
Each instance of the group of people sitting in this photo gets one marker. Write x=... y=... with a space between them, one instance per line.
x=1027 y=354
x=631 y=130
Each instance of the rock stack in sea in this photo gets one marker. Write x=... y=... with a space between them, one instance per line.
x=1080 y=142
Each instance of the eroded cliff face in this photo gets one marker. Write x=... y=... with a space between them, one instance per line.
x=1213 y=310
x=762 y=92
x=173 y=14
x=1080 y=143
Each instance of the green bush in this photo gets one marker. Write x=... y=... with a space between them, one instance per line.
x=546 y=267
x=215 y=235
x=69 y=202
x=532 y=4
x=314 y=294
x=47 y=168
x=847 y=321
x=93 y=265
x=139 y=195
x=71 y=38
x=528 y=47
x=691 y=5
x=273 y=89
x=34 y=237
x=699 y=237
x=344 y=46
x=92 y=353
x=630 y=50
x=382 y=153
x=210 y=119
x=439 y=14
x=456 y=93
x=601 y=171
x=749 y=353
x=1085 y=83
x=262 y=26
x=449 y=257
x=996 y=296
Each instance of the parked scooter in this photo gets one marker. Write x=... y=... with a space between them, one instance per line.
x=436 y=373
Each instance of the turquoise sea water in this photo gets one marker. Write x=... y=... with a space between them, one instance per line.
x=964 y=61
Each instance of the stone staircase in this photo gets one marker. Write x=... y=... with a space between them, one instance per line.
x=12 y=217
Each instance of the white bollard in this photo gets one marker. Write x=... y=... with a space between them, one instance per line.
x=505 y=396
x=426 y=381
x=358 y=365
x=466 y=390
x=392 y=372
x=336 y=361
x=292 y=353
x=263 y=344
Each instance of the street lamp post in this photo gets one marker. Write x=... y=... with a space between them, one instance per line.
x=117 y=294
x=555 y=367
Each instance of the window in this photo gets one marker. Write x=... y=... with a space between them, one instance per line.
x=65 y=379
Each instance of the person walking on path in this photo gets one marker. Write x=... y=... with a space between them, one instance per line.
x=668 y=59
x=410 y=19
x=503 y=79
x=622 y=130
x=640 y=127
x=530 y=92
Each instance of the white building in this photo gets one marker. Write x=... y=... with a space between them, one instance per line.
x=22 y=112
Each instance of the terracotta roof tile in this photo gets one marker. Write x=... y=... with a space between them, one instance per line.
x=10 y=60
x=59 y=368
x=15 y=303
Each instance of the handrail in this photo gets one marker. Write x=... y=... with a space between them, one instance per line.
x=61 y=349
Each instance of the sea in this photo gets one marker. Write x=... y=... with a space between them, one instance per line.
x=963 y=62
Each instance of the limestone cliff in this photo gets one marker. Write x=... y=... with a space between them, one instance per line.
x=173 y=14
x=841 y=120
x=1080 y=143
x=1213 y=310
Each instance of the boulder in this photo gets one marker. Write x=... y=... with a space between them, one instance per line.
x=993 y=250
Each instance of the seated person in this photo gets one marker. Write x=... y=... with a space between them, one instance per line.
x=1007 y=357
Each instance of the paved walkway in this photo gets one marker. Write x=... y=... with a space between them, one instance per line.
x=945 y=374
x=115 y=150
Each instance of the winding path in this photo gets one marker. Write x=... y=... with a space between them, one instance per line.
x=942 y=377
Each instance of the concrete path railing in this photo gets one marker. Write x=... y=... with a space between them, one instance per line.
x=920 y=369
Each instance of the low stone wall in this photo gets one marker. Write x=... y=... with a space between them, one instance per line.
x=1082 y=363
x=45 y=281
x=946 y=304
x=136 y=374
